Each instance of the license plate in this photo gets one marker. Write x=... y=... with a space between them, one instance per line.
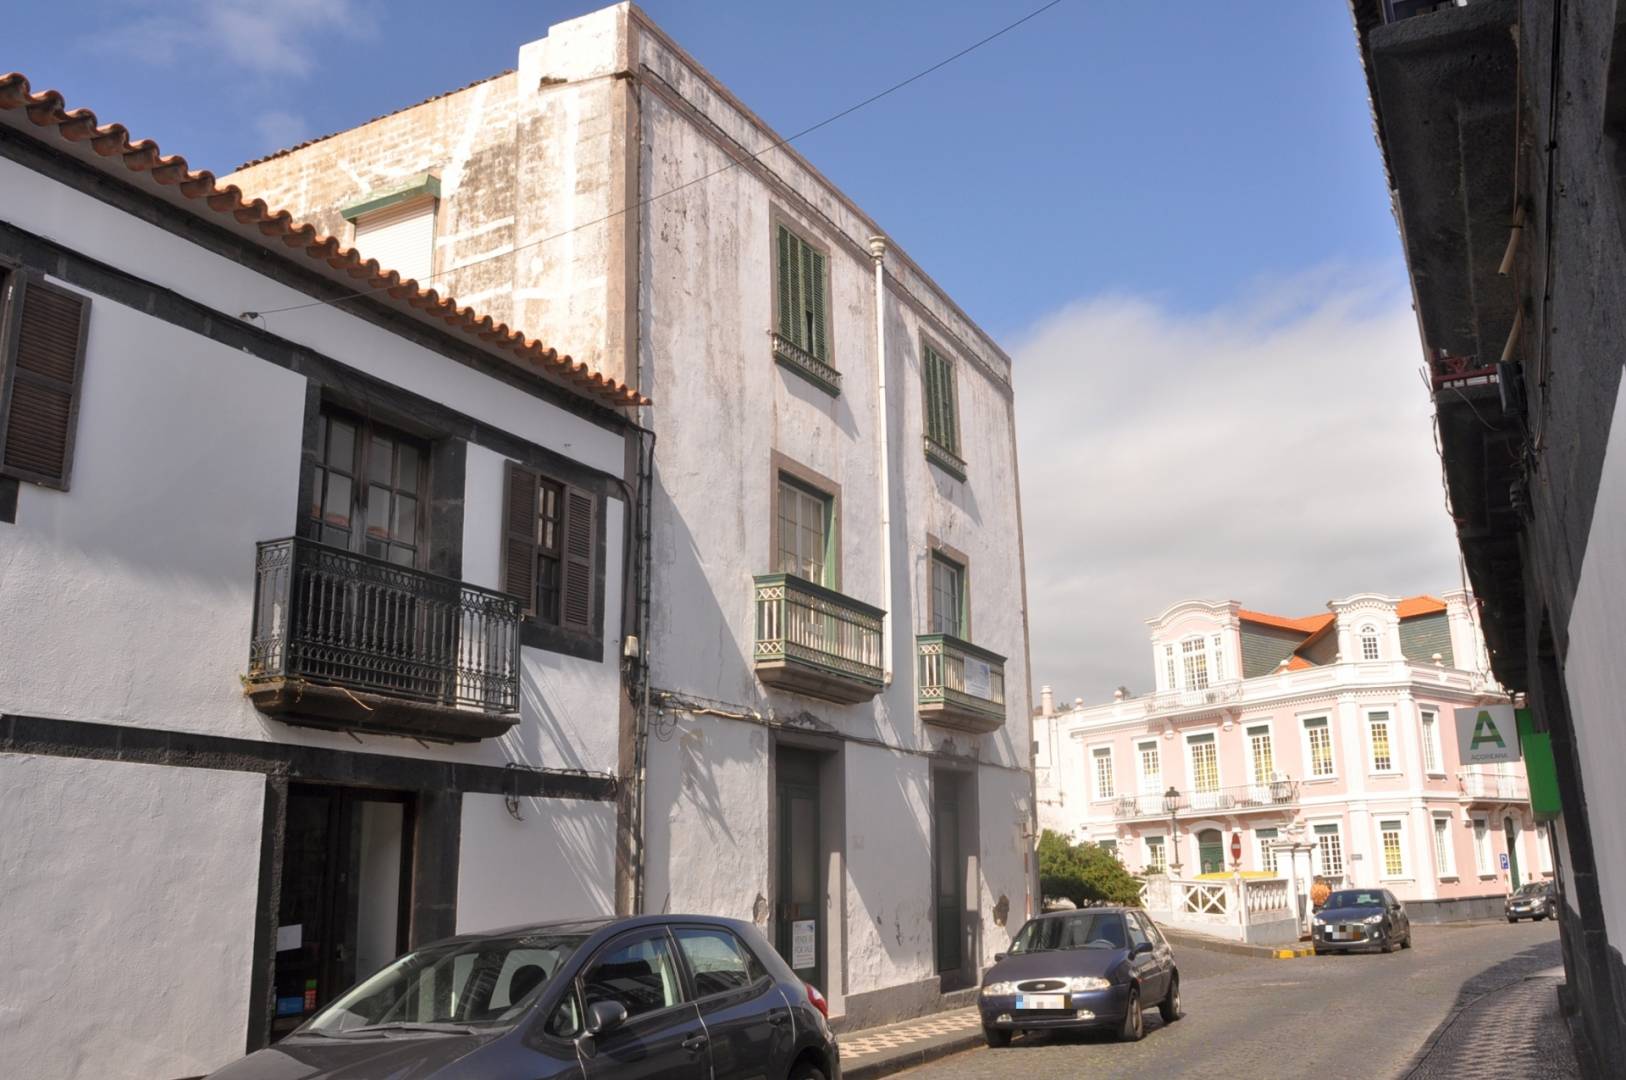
x=1041 y=1001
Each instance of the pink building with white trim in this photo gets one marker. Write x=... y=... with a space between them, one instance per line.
x=1335 y=731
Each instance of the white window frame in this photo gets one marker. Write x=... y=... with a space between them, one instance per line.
x=1544 y=849
x=1484 y=846
x=1248 y=728
x=1371 y=643
x=1445 y=859
x=1191 y=761
x=1162 y=846
x=1170 y=667
x=1190 y=658
x=1148 y=783
x=1265 y=859
x=1368 y=718
x=1096 y=794
x=1305 y=721
x=1317 y=863
x=1216 y=662
x=1433 y=750
x=1399 y=830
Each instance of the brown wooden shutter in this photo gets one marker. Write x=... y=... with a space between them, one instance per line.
x=519 y=536
x=581 y=537
x=39 y=387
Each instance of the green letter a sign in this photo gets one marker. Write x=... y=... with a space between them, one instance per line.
x=1485 y=732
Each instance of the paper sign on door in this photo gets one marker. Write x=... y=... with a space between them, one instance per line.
x=803 y=934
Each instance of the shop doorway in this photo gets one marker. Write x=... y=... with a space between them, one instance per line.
x=800 y=934
x=1512 y=832
x=346 y=888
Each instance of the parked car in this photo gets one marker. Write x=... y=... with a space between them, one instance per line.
x=671 y=996
x=1097 y=967
x=1534 y=900
x=1361 y=919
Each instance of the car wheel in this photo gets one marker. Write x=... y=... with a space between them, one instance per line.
x=1512 y=919
x=996 y=1038
x=1169 y=1007
x=1134 y=1025
x=805 y=1070
x=1405 y=942
x=1390 y=944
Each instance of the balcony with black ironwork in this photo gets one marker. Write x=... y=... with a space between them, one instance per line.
x=961 y=686
x=815 y=641
x=350 y=642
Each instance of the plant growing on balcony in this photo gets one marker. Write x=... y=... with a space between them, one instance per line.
x=1083 y=873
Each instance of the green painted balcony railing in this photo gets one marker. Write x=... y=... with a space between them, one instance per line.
x=815 y=641
x=961 y=686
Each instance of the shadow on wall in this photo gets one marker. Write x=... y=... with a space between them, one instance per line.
x=900 y=911
x=698 y=652
x=541 y=699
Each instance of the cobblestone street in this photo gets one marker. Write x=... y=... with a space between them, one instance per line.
x=1371 y=1016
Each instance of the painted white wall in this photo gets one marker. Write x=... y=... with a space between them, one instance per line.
x=1595 y=678
x=889 y=869
x=118 y=962
x=557 y=862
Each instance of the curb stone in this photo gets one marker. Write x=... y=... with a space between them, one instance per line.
x=910 y=1057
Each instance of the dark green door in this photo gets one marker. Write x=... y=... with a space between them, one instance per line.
x=1512 y=852
x=800 y=936
x=949 y=877
x=1210 y=851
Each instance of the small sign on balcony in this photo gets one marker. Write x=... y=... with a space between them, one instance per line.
x=978 y=678
x=1487 y=734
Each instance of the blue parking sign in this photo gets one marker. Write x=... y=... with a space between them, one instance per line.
x=1504 y=860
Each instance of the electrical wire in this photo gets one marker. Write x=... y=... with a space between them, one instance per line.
x=735 y=163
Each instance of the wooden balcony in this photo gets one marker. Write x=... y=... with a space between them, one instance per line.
x=961 y=686
x=815 y=641
x=349 y=642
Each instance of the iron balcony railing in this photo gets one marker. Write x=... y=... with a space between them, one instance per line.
x=1262 y=796
x=330 y=616
x=811 y=626
x=956 y=674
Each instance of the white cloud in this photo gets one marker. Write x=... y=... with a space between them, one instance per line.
x=1277 y=451
x=261 y=37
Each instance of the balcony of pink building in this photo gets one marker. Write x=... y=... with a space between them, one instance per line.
x=1490 y=787
x=1272 y=795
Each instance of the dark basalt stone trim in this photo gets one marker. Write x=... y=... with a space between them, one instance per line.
x=319 y=764
x=304 y=704
x=8 y=499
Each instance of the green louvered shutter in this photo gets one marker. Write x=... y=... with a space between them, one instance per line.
x=790 y=315
x=815 y=303
x=951 y=415
x=942 y=423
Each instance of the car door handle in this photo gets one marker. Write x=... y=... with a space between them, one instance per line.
x=694 y=1042
x=779 y=1017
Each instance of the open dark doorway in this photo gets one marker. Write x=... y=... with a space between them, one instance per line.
x=346 y=890
x=954 y=877
x=801 y=931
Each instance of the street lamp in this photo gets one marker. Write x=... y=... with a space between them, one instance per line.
x=1171 y=803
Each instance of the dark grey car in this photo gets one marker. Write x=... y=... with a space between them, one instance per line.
x=1361 y=919
x=1535 y=900
x=655 y=996
x=1099 y=967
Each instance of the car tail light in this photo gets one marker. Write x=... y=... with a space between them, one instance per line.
x=816 y=999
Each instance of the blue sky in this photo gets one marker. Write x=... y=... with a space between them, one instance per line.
x=1171 y=213
x=1176 y=149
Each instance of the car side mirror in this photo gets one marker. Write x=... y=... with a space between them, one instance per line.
x=1142 y=947
x=604 y=1017
x=998 y=956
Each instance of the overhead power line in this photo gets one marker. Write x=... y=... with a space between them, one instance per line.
x=703 y=177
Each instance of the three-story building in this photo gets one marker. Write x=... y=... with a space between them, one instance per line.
x=1335 y=730
x=830 y=731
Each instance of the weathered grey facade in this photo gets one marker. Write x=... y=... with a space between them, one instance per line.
x=1501 y=125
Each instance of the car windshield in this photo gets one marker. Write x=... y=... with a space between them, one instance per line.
x=454 y=986
x=1354 y=898
x=1086 y=930
x=1532 y=888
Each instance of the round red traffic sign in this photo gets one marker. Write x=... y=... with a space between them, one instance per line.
x=1236 y=847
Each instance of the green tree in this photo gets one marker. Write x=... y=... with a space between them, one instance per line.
x=1083 y=873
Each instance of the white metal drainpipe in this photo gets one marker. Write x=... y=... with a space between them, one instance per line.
x=877 y=250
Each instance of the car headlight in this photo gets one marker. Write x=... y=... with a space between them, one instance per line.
x=1372 y=920
x=999 y=989
x=1319 y=921
x=1080 y=983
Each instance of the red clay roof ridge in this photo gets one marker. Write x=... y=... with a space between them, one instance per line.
x=46 y=109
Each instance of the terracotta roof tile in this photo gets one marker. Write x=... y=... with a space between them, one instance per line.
x=1413 y=606
x=46 y=110
x=1309 y=624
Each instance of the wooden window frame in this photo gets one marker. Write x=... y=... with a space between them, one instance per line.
x=938 y=452
x=360 y=479
x=803 y=360
x=17 y=282
x=816 y=483
x=937 y=549
x=518 y=575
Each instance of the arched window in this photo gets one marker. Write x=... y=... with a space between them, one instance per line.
x=1369 y=643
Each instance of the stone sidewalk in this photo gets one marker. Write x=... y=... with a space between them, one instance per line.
x=885 y=1050
x=1508 y=1030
